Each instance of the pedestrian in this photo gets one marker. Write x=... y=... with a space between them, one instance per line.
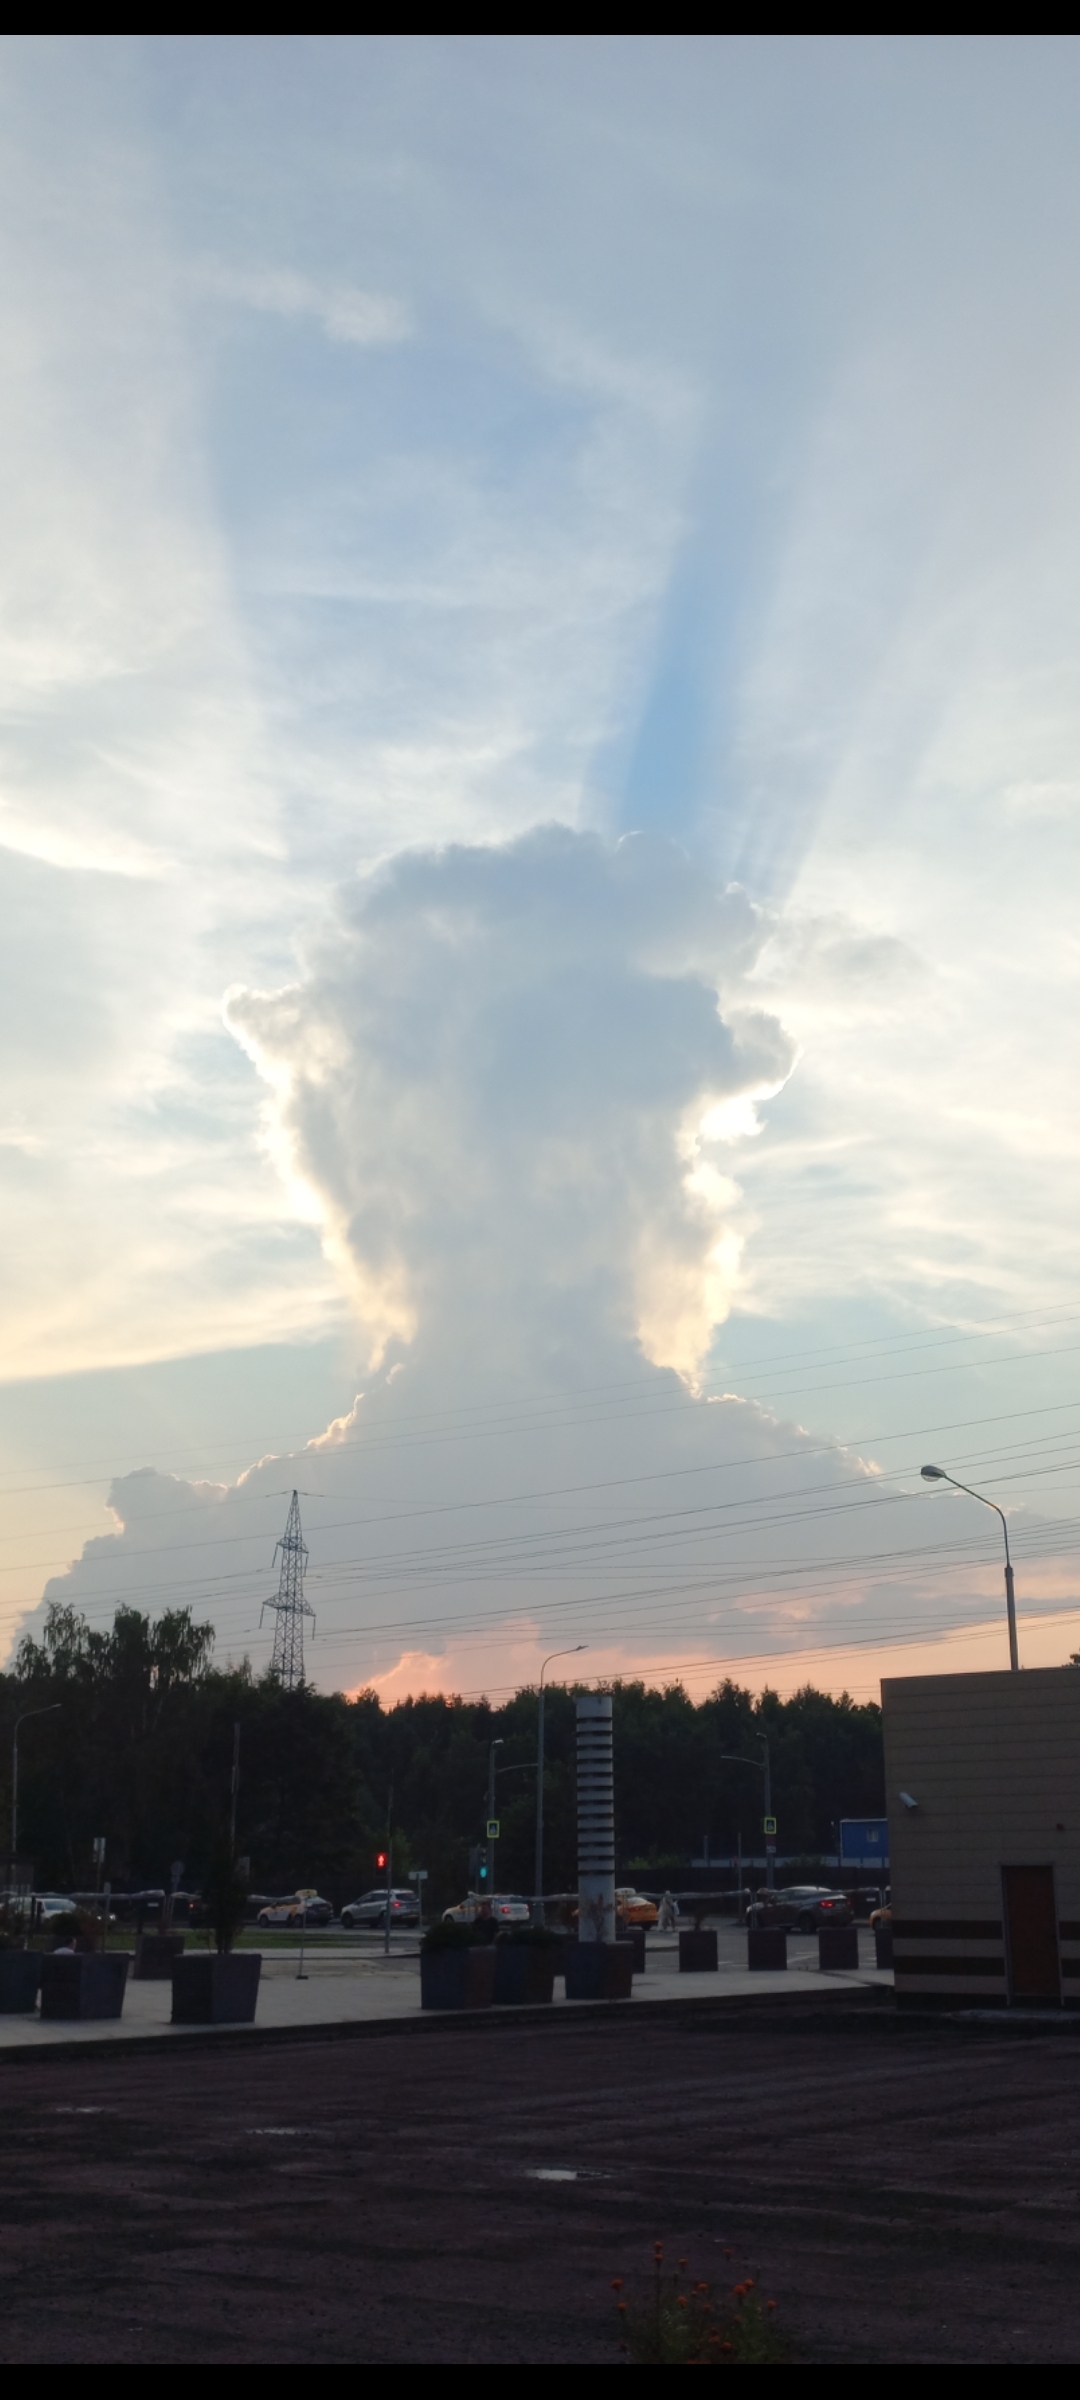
x=668 y=1913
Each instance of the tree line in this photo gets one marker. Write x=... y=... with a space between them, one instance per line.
x=140 y=1750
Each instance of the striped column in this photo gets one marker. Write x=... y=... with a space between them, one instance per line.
x=596 y=1819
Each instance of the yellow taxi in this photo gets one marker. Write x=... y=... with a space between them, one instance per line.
x=632 y=1908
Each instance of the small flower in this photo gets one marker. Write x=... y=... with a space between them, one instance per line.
x=770 y=2304
x=617 y=2283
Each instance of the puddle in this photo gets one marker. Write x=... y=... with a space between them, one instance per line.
x=567 y=2174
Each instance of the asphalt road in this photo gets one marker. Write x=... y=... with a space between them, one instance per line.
x=465 y=2193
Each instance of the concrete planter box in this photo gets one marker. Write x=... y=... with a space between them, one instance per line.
x=883 y=1945
x=154 y=1955
x=90 y=1986
x=20 y=1976
x=697 y=1953
x=458 y=1978
x=211 y=1987
x=599 y=1970
x=524 y=1974
x=766 y=1948
x=838 y=1946
x=635 y=1935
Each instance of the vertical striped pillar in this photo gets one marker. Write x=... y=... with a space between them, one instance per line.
x=595 y=1818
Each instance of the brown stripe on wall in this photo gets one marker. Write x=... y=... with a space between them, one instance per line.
x=950 y=1929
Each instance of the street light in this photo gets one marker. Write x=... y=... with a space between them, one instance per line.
x=52 y=1711
x=497 y=1744
x=538 y=1877
x=730 y=1759
x=938 y=1475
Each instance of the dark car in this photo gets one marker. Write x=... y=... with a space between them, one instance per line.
x=801 y=1908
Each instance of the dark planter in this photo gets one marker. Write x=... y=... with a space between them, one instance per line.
x=883 y=1945
x=212 y=1987
x=599 y=1970
x=524 y=1974
x=766 y=1947
x=697 y=1952
x=90 y=1986
x=838 y=1946
x=154 y=1955
x=458 y=1978
x=20 y=1975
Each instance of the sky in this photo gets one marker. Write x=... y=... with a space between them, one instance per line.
x=539 y=738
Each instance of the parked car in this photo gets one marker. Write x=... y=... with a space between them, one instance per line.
x=371 y=1910
x=882 y=1916
x=505 y=1908
x=633 y=1908
x=802 y=1908
x=296 y=1908
x=52 y=1904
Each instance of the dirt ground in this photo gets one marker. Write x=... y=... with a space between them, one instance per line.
x=905 y=2192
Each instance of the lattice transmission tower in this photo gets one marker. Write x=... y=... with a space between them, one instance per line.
x=290 y=1605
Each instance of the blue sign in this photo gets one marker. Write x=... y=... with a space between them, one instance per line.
x=864 y=1841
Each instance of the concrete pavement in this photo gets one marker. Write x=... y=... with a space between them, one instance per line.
x=364 y=1988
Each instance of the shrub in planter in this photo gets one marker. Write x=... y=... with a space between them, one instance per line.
x=525 y=1966
x=697 y=1952
x=84 y=1986
x=154 y=1955
x=225 y=1894
x=216 y=1987
x=599 y=1970
x=457 y=1970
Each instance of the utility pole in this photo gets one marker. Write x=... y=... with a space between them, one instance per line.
x=290 y=1605
x=234 y=1789
x=389 y=1865
x=498 y=1744
x=538 y=1872
x=732 y=1759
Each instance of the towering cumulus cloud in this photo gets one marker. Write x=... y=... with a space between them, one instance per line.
x=502 y=1078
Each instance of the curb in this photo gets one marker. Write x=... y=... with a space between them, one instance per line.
x=436 y=2021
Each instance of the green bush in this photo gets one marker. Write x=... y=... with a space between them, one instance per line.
x=448 y=1933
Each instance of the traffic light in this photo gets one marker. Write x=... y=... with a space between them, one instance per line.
x=381 y=1861
x=483 y=1878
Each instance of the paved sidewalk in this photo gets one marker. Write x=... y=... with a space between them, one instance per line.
x=368 y=1991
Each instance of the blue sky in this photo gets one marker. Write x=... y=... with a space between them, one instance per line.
x=414 y=444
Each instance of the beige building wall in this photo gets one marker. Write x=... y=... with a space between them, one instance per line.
x=993 y=1765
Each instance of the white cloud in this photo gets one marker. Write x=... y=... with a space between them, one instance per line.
x=487 y=1076
x=345 y=313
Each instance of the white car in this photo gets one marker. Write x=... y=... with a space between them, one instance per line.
x=52 y=1904
x=507 y=1908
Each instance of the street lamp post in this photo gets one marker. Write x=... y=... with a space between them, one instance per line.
x=538 y=1876
x=52 y=1711
x=497 y=1744
x=731 y=1759
x=938 y=1475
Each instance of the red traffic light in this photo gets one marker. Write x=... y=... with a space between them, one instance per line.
x=381 y=1860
